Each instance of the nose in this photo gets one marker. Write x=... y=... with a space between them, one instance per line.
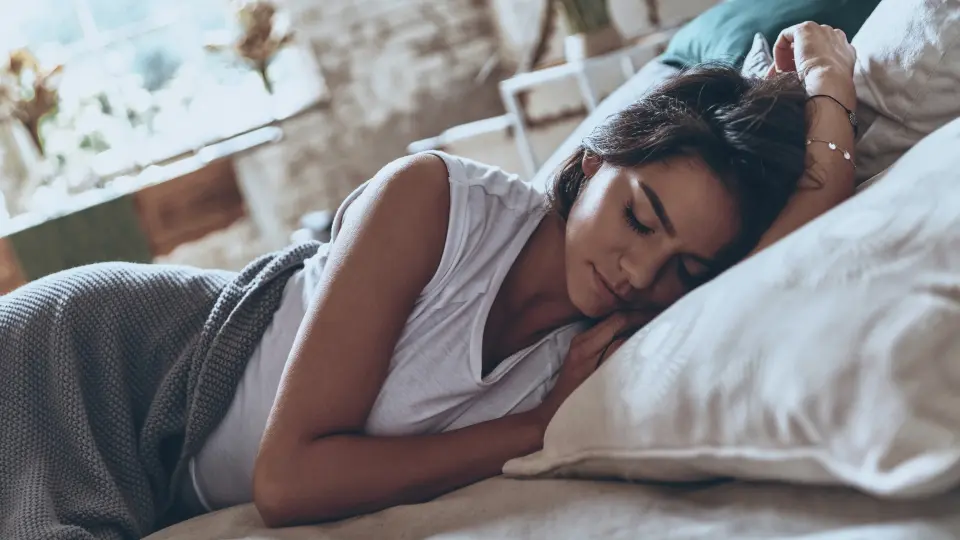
x=642 y=268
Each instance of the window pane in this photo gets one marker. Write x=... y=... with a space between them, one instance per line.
x=114 y=14
x=162 y=86
x=37 y=23
x=208 y=14
x=109 y=100
x=160 y=94
x=89 y=130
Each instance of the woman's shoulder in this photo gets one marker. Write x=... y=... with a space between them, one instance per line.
x=503 y=188
x=489 y=211
x=488 y=206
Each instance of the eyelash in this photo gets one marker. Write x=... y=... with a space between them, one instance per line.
x=690 y=281
x=633 y=222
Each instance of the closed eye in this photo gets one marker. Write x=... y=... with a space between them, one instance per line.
x=633 y=222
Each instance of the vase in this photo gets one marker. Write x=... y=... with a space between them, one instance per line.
x=579 y=47
x=20 y=164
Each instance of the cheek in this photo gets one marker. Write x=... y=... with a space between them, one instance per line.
x=593 y=220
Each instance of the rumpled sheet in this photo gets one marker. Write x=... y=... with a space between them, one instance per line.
x=578 y=509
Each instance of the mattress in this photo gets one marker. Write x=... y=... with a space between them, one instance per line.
x=579 y=509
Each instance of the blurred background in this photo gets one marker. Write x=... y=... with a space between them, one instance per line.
x=208 y=132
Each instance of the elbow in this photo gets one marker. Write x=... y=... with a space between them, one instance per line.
x=281 y=502
x=272 y=500
x=276 y=491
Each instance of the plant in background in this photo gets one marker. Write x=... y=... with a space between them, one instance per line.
x=261 y=37
x=591 y=28
x=586 y=16
x=29 y=92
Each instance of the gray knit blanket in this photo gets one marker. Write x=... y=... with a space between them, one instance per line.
x=111 y=378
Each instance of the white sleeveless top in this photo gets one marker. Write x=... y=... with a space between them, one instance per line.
x=434 y=382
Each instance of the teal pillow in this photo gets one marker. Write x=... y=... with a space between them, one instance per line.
x=725 y=32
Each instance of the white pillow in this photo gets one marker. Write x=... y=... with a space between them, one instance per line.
x=759 y=59
x=832 y=357
x=907 y=77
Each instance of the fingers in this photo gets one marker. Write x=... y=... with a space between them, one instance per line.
x=612 y=348
x=593 y=341
x=808 y=46
x=783 y=57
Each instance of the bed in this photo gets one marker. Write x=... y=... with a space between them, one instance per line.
x=581 y=509
x=552 y=508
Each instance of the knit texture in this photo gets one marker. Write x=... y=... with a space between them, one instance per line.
x=111 y=378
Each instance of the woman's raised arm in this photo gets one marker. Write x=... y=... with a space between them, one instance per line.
x=824 y=61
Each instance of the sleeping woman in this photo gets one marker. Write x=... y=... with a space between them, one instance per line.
x=430 y=341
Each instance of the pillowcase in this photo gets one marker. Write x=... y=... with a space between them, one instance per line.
x=725 y=32
x=759 y=58
x=907 y=77
x=832 y=357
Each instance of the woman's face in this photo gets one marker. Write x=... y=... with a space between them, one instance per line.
x=640 y=238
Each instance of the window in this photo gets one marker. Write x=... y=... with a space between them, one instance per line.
x=138 y=85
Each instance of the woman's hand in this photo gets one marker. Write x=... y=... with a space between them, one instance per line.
x=824 y=61
x=822 y=58
x=587 y=351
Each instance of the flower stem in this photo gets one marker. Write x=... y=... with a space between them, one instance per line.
x=262 y=71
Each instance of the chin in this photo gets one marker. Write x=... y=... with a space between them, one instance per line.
x=588 y=310
x=582 y=297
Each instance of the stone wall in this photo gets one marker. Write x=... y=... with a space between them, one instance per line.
x=397 y=71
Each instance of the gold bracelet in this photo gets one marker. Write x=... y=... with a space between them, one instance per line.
x=833 y=146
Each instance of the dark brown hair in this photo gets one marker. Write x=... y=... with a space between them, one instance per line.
x=750 y=132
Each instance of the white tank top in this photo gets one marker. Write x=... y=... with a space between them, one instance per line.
x=434 y=382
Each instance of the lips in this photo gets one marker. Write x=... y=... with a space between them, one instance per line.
x=607 y=290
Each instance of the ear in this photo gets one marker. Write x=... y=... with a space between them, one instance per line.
x=590 y=164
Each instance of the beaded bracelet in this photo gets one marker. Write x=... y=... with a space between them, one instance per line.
x=851 y=116
x=833 y=146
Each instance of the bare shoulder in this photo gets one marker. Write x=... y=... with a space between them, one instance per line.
x=398 y=223
x=413 y=185
x=424 y=165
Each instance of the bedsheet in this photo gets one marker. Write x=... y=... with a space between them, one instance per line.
x=579 y=509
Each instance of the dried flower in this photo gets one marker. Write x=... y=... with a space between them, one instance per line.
x=28 y=92
x=21 y=59
x=260 y=39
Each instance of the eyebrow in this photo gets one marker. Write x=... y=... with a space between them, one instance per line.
x=661 y=213
x=658 y=209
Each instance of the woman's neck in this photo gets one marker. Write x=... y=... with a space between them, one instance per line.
x=535 y=297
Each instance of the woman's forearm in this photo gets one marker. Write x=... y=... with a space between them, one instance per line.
x=344 y=475
x=829 y=178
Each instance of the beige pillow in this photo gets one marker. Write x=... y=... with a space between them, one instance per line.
x=907 y=77
x=832 y=357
